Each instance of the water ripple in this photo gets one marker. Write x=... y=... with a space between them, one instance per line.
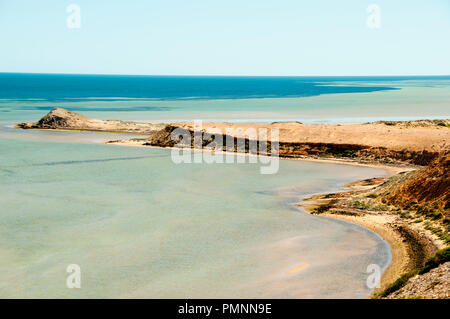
x=96 y=160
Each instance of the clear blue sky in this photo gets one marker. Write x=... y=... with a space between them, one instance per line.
x=227 y=37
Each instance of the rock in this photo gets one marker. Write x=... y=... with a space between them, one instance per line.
x=58 y=118
x=63 y=119
x=434 y=284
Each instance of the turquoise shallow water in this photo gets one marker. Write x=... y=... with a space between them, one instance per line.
x=141 y=226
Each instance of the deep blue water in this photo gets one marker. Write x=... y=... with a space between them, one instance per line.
x=27 y=97
x=54 y=87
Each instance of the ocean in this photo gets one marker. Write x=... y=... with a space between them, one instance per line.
x=261 y=99
x=139 y=225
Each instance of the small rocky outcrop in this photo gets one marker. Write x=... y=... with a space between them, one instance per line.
x=57 y=118
x=163 y=138
x=63 y=119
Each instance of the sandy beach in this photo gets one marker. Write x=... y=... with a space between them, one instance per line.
x=410 y=243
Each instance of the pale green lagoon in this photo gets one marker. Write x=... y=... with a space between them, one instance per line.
x=139 y=225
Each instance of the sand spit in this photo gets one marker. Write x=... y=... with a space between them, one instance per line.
x=412 y=142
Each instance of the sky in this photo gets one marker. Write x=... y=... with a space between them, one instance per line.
x=227 y=37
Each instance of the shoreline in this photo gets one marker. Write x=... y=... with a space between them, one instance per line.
x=378 y=224
x=410 y=246
x=398 y=248
x=390 y=169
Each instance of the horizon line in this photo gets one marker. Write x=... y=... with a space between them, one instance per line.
x=229 y=75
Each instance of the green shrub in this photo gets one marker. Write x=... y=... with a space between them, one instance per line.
x=381 y=207
x=440 y=123
x=442 y=234
x=398 y=284
x=321 y=209
x=325 y=154
x=440 y=257
x=349 y=153
x=436 y=215
x=405 y=215
x=360 y=205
